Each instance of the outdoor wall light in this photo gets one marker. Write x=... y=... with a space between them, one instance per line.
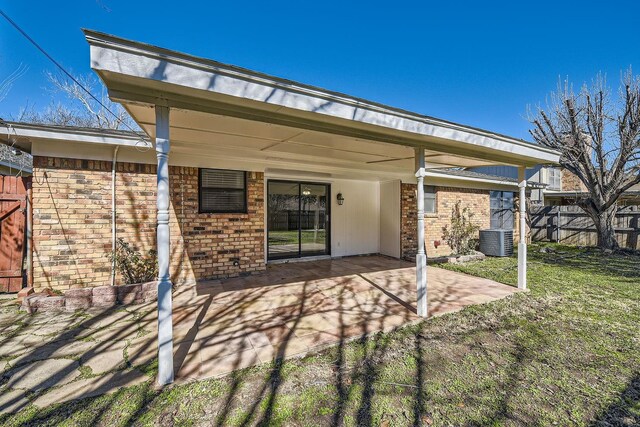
x=340 y=199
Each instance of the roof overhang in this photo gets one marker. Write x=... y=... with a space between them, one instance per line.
x=23 y=135
x=550 y=194
x=485 y=179
x=242 y=113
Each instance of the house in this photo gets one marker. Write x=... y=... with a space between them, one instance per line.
x=242 y=169
x=291 y=206
x=554 y=186
x=545 y=177
x=573 y=189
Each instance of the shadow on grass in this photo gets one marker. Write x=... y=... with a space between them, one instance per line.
x=230 y=314
x=625 y=411
x=589 y=260
x=356 y=379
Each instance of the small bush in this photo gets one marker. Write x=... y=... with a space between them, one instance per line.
x=133 y=265
x=460 y=236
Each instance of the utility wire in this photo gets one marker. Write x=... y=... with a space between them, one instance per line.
x=57 y=64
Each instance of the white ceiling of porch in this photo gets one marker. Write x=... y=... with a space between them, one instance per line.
x=197 y=133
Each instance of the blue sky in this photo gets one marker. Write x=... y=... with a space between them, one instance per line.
x=476 y=63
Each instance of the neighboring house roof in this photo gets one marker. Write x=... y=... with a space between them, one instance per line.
x=13 y=163
x=13 y=160
x=632 y=192
x=481 y=177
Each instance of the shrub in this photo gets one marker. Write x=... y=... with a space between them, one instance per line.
x=133 y=265
x=460 y=236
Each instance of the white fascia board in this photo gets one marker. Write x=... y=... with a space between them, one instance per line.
x=471 y=179
x=563 y=193
x=141 y=62
x=75 y=135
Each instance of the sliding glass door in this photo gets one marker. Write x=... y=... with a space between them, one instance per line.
x=314 y=219
x=297 y=219
x=283 y=219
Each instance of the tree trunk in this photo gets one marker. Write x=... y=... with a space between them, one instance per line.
x=603 y=221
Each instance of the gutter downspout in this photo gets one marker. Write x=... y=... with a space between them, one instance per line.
x=113 y=216
x=29 y=230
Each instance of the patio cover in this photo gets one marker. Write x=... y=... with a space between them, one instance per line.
x=204 y=109
x=254 y=117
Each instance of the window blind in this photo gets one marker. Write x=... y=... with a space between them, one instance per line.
x=223 y=191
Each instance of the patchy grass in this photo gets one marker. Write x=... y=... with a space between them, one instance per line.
x=565 y=353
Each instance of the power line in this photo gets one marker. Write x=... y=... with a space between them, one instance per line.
x=57 y=64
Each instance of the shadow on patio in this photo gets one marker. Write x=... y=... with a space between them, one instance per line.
x=224 y=325
x=296 y=308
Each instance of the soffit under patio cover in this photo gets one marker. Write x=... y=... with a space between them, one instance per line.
x=236 y=113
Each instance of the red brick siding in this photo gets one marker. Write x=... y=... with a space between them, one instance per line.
x=446 y=197
x=570 y=182
x=72 y=223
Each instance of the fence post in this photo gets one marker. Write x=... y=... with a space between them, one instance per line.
x=550 y=227
x=558 y=226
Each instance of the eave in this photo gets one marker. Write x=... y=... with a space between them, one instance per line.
x=138 y=74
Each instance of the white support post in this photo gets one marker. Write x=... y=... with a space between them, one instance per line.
x=522 y=241
x=421 y=256
x=165 y=321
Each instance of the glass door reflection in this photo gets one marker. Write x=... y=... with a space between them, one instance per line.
x=297 y=219
x=313 y=219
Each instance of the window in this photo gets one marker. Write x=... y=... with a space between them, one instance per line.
x=429 y=199
x=502 y=210
x=222 y=191
x=555 y=178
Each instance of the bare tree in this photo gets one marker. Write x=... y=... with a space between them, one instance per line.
x=82 y=110
x=599 y=139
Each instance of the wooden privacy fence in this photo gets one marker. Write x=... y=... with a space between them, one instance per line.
x=14 y=193
x=288 y=220
x=571 y=225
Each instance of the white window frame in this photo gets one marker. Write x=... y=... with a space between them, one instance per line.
x=430 y=194
x=222 y=210
x=555 y=178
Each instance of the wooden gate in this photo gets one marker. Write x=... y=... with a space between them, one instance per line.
x=13 y=214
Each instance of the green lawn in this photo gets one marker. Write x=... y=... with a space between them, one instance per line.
x=291 y=237
x=566 y=353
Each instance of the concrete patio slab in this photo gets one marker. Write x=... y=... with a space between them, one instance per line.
x=12 y=400
x=296 y=308
x=224 y=325
x=55 y=350
x=43 y=374
x=108 y=360
x=90 y=387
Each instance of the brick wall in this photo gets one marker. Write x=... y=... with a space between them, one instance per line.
x=446 y=197
x=570 y=182
x=208 y=244
x=72 y=223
